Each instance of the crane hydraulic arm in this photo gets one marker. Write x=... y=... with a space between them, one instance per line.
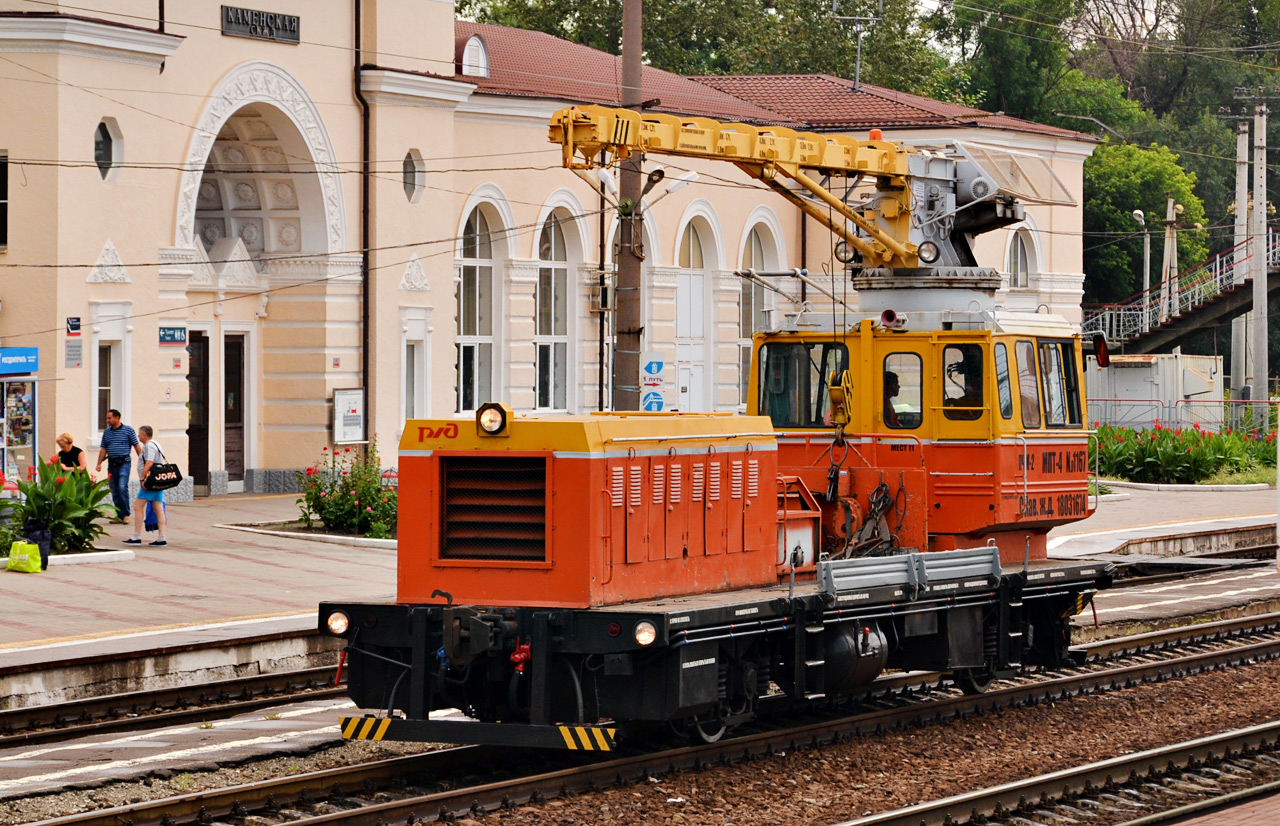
x=918 y=210
x=770 y=154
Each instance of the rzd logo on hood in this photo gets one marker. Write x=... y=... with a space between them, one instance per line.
x=449 y=431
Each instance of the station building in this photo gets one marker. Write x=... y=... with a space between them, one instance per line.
x=220 y=219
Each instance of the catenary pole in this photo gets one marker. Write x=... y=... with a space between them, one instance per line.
x=1239 y=341
x=628 y=338
x=1259 y=253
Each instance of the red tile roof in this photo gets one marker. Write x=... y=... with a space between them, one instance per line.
x=828 y=103
x=533 y=64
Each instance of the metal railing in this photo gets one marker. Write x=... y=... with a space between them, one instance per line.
x=1173 y=297
x=1216 y=416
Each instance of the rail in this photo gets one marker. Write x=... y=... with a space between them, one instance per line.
x=455 y=770
x=1144 y=311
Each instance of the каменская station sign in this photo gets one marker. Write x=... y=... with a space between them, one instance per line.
x=264 y=25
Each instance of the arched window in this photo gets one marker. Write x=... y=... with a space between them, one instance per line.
x=691 y=355
x=752 y=316
x=475 y=58
x=551 y=336
x=1021 y=261
x=474 y=301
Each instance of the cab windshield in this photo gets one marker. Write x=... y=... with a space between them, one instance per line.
x=793 y=381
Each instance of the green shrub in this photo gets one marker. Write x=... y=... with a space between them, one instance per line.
x=1178 y=456
x=344 y=492
x=75 y=505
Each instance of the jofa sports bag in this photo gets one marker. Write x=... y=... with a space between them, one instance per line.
x=163 y=475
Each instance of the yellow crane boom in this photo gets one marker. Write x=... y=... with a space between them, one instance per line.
x=771 y=154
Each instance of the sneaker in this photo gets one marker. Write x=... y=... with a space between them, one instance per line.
x=133 y=542
x=159 y=543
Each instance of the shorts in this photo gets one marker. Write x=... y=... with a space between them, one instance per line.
x=151 y=495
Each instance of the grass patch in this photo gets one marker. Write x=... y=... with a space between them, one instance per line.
x=1097 y=488
x=1252 y=476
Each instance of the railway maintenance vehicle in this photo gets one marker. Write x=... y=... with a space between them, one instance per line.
x=565 y=580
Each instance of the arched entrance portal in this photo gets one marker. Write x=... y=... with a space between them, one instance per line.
x=261 y=217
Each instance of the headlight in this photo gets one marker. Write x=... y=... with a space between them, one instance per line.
x=646 y=632
x=492 y=418
x=337 y=623
x=928 y=252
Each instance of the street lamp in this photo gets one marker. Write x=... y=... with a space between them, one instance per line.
x=1141 y=218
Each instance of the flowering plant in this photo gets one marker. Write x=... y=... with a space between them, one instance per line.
x=1178 y=455
x=344 y=492
x=71 y=501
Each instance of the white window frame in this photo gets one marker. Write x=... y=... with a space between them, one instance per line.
x=475 y=57
x=110 y=324
x=413 y=174
x=473 y=271
x=415 y=380
x=1020 y=259
x=117 y=148
x=551 y=345
x=753 y=308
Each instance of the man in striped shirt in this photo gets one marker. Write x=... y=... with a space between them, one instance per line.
x=117 y=440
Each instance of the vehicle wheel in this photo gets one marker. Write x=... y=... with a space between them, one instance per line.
x=973 y=680
x=710 y=729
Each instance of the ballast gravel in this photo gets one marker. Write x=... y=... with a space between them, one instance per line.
x=817 y=786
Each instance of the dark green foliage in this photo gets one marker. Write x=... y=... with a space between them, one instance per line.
x=344 y=493
x=1166 y=456
x=74 y=504
x=1119 y=179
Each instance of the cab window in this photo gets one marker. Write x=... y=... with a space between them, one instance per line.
x=1028 y=389
x=1061 y=384
x=903 y=391
x=1002 y=382
x=793 y=381
x=962 y=381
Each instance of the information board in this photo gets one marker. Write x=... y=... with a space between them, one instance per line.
x=348 y=416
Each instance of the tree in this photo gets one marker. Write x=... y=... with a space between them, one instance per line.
x=695 y=37
x=1016 y=51
x=1118 y=179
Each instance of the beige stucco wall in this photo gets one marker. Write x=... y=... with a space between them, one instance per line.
x=300 y=308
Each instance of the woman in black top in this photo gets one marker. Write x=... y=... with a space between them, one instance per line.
x=70 y=457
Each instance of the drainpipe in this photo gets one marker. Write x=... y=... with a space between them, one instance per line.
x=364 y=216
x=160 y=26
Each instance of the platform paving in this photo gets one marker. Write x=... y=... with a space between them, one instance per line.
x=208 y=575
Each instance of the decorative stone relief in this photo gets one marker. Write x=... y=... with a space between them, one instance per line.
x=233 y=265
x=520 y=272
x=262 y=82
x=246 y=195
x=251 y=233
x=210 y=197
x=109 y=269
x=414 y=279
x=211 y=230
x=283 y=195
x=288 y=235
x=274 y=155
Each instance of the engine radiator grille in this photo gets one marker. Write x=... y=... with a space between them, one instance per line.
x=494 y=508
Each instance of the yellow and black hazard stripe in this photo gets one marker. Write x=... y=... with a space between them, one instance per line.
x=1081 y=601
x=588 y=738
x=364 y=728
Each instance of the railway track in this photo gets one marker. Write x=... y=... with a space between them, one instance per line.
x=1156 y=786
x=446 y=784
x=163 y=707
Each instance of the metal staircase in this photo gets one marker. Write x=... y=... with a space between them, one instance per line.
x=1205 y=295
